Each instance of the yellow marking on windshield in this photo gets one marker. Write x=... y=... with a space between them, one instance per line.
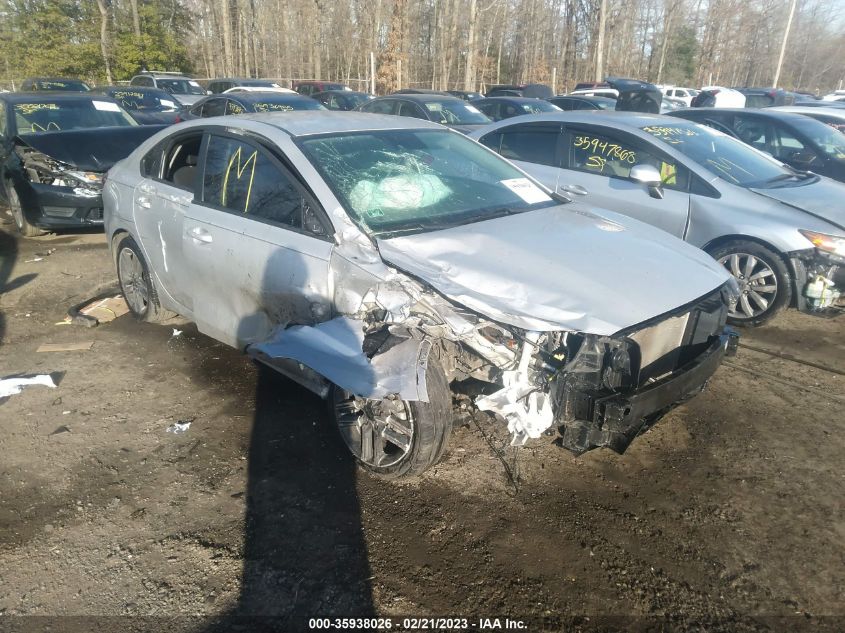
x=276 y=107
x=241 y=168
x=30 y=108
x=50 y=126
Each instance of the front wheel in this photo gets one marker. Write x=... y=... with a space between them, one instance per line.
x=393 y=437
x=765 y=284
x=24 y=227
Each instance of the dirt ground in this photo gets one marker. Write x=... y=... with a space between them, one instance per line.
x=726 y=516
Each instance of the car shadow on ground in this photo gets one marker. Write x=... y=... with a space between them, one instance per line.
x=304 y=553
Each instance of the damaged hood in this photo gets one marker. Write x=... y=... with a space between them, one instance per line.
x=560 y=268
x=95 y=149
x=822 y=199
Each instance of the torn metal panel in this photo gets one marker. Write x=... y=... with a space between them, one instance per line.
x=558 y=269
x=334 y=349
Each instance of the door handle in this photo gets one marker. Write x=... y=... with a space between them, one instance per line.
x=199 y=234
x=143 y=202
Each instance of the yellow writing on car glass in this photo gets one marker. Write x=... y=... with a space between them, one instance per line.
x=604 y=148
x=239 y=172
x=29 y=108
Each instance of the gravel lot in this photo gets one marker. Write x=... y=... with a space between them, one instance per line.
x=726 y=516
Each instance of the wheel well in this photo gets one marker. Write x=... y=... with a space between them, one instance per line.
x=118 y=235
x=748 y=238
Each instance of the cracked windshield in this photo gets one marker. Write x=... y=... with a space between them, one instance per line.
x=411 y=181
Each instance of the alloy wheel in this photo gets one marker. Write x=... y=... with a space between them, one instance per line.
x=758 y=284
x=378 y=432
x=131 y=272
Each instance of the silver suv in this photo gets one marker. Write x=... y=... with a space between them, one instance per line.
x=186 y=90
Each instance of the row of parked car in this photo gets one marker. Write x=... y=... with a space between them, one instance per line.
x=584 y=265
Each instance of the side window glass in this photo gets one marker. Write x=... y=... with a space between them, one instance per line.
x=754 y=132
x=2 y=118
x=511 y=111
x=151 y=162
x=492 y=140
x=233 y=107
x=380 y=107
x=243 y=179
x=181 y=160
x=610 y=155
x=491 y=110
x=410 y=109
x=532 y=143
x=214 y=107
x=790 y=149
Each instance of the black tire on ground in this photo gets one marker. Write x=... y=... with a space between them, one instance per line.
x=432 y=425
x=768 y=258
x=24 y=227
x=135 y=281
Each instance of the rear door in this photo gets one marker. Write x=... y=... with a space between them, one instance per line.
x=257 y=245
x=600 y=160
x=160 y=203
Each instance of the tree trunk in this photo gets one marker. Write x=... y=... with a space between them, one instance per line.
x=600 y=42
x=469 y=70
x=104 y=36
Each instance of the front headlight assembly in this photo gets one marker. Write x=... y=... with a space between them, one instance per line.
x=833 y=244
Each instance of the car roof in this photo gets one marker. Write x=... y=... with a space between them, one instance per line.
x=422 y=98
x=839 y=113
x=259 y=95
x=514 y=99
x=132 y=88
x=340 y=92
x=767 y=113
x=54 y=79
x=49 y=95
x=611 y=118
x=307 y=123
x=163 y=75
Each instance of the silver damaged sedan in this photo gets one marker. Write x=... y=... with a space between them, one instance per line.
x=779 y=231
x=382 y=262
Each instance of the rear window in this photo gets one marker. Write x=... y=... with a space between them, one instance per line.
x=287 y=105
x=54 y=116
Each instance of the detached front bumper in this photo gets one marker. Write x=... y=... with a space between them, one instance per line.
x=618 y=419
x=53 y=207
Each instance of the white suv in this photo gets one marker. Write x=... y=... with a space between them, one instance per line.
x=186 y=90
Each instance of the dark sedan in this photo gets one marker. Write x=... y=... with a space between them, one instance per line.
x=55 y=150
x=446 y=110
x=244 y=102
x=799 y=141
x=148 y=106
x=498 y=108
x=578 y=102
x=341 y=99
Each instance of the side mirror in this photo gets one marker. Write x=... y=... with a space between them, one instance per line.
x=650 y=177
x=578 y=190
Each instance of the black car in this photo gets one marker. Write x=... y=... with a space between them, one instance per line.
x=446 y=110
x=578 y=102
x=58 y=84
x=243 y=102
x=794 y=139
x=635 y=95
x=55 y=150
x=766 y=97
x=341 y=99
x=466 y=95
x=216 y=86
x=498 y=108
x=148 y=106
x=420 y=91
x=538 y=91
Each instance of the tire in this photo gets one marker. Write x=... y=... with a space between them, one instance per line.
x=137 y=285
x=770 y=287
x=24 y=227
x=430 y=423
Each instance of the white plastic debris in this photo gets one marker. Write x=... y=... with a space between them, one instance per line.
x=178 y=428
x=12 y=386
x=176 y=332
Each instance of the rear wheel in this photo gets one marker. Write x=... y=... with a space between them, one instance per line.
x=24 y=227
x=136 y=284
x=393 y=437
x=765 y=284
